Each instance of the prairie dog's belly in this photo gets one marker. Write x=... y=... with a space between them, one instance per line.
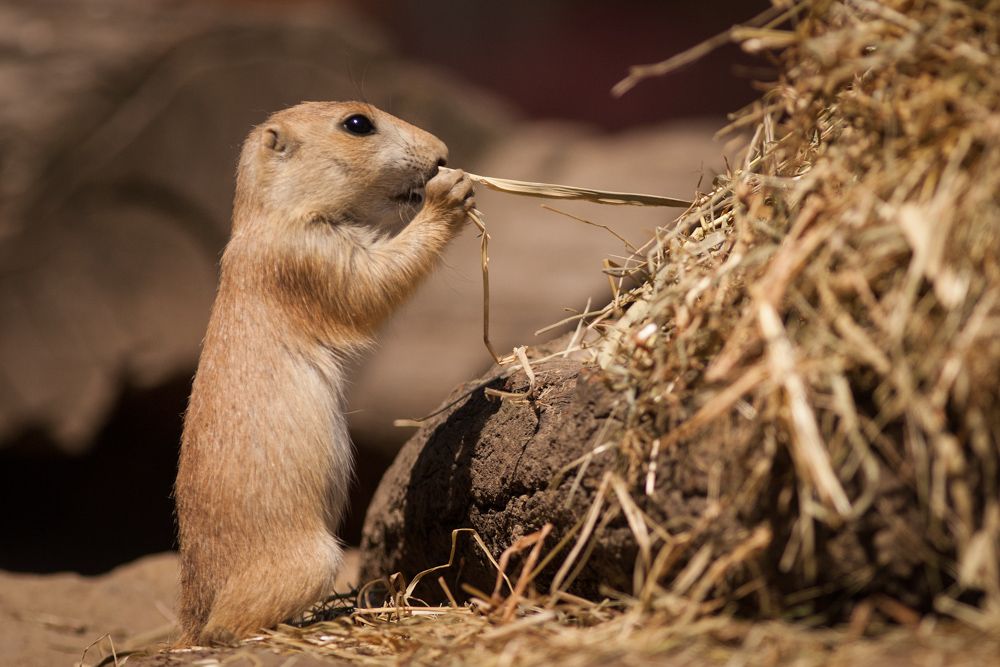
x=302 y=445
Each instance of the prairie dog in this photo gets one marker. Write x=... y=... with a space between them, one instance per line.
x=340 y=212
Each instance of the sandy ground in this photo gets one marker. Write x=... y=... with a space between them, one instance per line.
x=50 y=620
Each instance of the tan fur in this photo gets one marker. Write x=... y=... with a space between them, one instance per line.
x=320 y=254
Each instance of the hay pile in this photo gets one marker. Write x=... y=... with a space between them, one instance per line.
x=828 y=322
x=819 y=338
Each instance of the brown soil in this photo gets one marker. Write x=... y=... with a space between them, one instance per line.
x=50 y=620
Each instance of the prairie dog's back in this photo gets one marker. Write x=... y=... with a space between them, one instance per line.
x=339 y=213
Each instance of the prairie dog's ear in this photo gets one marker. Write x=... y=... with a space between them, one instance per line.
x=277 y=139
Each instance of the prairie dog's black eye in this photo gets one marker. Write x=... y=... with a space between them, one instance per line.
x=359 y=124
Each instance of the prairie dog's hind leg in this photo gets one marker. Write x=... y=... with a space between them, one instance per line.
x=242 y=608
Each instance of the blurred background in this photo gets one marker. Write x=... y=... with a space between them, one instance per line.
x=120 y=125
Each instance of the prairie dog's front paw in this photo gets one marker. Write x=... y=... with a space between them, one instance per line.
x=451 y=194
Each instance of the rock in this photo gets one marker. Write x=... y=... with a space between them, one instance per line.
x=487 y=465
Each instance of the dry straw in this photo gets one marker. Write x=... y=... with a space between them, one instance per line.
x=547 y=191
x=826 y=322
x=845 y=286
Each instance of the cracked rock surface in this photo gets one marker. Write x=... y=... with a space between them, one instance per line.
x=488 y=465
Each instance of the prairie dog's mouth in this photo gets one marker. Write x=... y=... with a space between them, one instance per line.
x=413 y=196
x=416 y=192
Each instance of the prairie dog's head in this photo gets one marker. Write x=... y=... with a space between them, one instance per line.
x=337 y=162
